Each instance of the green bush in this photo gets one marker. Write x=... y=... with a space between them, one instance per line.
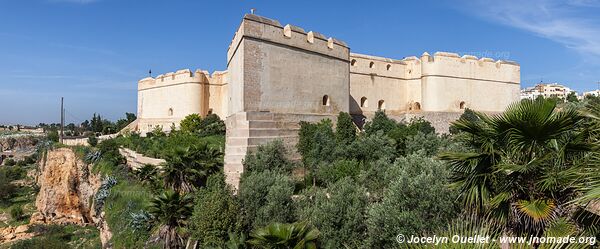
x=371 y=148
x=9 y=162
x=417 y=201
x=380 y=122
x=215 y=213
x=330 y=173
x=53 y=136
x=345 y=131
x=266 y=198
x=93 y=141
x=16 y=212
x=7 y=189
x=271 y=156
x=191 y=123
x=338 y=212
x=39 y=243
x=429 y=144
x=109 y=150
x=211 y=125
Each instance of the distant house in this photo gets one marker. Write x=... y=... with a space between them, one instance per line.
x=546 y=90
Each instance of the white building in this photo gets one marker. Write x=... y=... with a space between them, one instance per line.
x=546 y=90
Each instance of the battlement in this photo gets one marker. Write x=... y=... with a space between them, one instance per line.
x=269 y=30
x=173 y=78
x=445 y=64
x=378 y=66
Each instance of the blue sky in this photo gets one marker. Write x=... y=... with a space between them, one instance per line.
x=92 y=52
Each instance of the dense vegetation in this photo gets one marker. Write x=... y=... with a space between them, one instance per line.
x=530 y=171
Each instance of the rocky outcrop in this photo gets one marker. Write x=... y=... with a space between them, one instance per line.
x=18 y=142
x=10 y=234
x=66 y=190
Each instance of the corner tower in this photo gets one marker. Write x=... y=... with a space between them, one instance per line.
x=280 y=75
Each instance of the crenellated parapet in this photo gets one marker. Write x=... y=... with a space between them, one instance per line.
x=378 y=66
x=444 y=64
x=269 y=30
x=174 y=78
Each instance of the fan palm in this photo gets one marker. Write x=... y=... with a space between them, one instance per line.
x=277 y=235
x=188 y=167
x=170 y=211
x=522 y=166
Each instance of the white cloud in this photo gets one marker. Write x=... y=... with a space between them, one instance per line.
x=572 y=23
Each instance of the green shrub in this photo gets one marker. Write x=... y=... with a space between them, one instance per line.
x=330 y=173
x=39 y=243
x=271 y=156
x=191 y=123
x=380 y=122
x=338 y=212
x=371 y=148
x=9 y=162
x=345 y=131
x=16 y=212
x=93 y=141
x=211 y=125
x=215 y=213
x=417 y=201
x=265 y=197
x=7 y=189
x=30 y=159
x=109 y=150
x=53 y=136
x=426 y=143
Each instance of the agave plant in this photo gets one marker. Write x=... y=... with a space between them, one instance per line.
x=277 y=235
x=523 y=164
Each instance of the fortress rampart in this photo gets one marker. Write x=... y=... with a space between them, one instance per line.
x=165 y=100
x=278 y=75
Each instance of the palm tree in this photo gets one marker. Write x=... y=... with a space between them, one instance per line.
x=146 y=173
x=277 y=235
x=170 y=210
x=188 y=167
x=522 y=164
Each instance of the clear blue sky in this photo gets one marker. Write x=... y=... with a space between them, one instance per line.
x=92 y=52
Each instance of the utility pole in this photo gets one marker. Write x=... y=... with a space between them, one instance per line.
x=62 y=118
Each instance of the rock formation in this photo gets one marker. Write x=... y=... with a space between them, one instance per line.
x=67 y=193
x=10 y=234
x=66 y=190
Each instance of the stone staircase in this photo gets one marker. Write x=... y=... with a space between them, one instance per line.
x=247 y=130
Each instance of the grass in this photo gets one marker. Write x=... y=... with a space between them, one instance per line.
x=23 y=196
x=128 y=196
x=59 y=237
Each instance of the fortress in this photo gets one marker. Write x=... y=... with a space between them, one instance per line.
x=279 y=75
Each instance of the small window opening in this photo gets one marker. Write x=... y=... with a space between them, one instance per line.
x=326 y=100
x=381 y=105
x=364 y=102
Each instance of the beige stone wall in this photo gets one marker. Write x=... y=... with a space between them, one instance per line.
x=165 y=100
x=444 y=82
x=480 y=84
x=280 y=75
x=286 y=70
x=377 y=82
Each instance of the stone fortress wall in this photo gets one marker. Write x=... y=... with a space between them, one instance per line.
x=165 y=100
x=280 y=75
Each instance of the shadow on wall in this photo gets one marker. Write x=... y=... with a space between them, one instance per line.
x=354 y=107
